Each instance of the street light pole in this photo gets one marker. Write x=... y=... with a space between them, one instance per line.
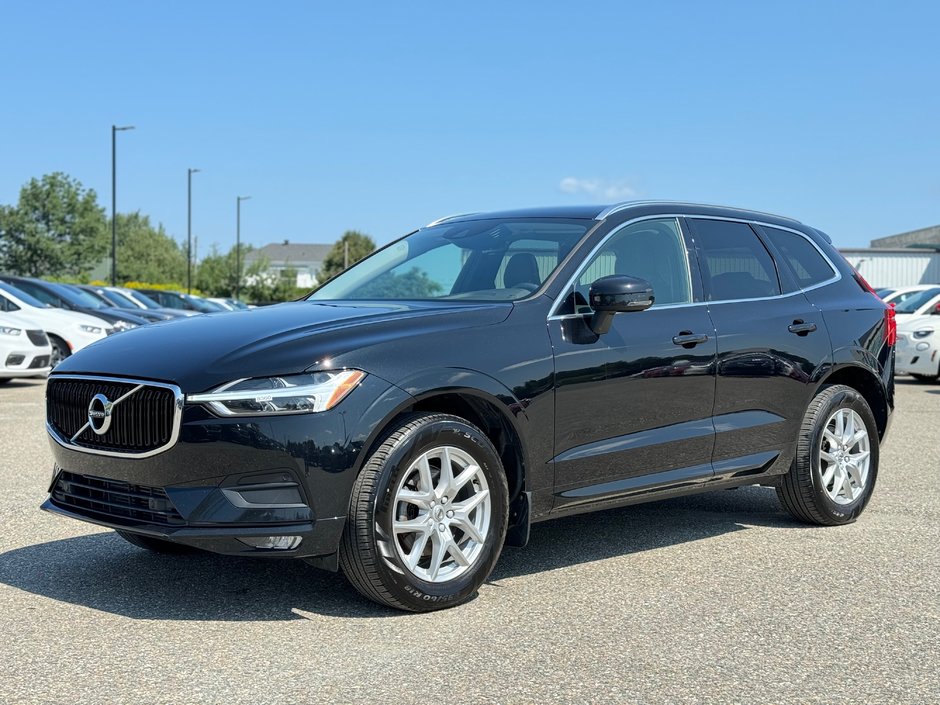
x=114 y=130
x=189 y=229
x=238 y=241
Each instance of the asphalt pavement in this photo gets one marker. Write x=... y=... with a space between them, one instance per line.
x=718 y=598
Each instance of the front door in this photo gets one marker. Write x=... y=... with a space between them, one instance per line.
x=633 y=407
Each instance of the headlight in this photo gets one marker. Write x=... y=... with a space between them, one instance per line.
x=291 y=394
x=94 y=330
x=6 y=330
x=123 y=325
x=923 y=333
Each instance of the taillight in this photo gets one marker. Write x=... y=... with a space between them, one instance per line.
x=891 y=326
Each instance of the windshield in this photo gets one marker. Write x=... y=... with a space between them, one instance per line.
x=115 y=298
x=478 y=260
x=910 y=305
x=141 y=297
x=77 y=297
x=203 y=305
x=23 y=296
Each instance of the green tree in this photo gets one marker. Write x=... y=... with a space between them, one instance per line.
x=413 y=284
x=147 y=254
x=215 y=275
x=359 y=246
x=56 y=229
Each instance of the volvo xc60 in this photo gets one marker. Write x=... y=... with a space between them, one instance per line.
x=427 y=406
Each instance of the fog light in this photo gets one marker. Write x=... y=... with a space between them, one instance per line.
x=275 y=543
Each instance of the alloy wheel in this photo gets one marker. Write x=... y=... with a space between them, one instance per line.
x=441 y=515
x=844 y=456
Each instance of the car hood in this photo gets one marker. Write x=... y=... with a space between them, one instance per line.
x=203 y=352
x=61 y=321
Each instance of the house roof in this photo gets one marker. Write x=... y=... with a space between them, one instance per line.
x=290 y=252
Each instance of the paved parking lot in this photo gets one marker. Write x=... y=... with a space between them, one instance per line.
x=715 y=598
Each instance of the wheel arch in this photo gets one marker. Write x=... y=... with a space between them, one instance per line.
x=473 y=396
x=866 y=383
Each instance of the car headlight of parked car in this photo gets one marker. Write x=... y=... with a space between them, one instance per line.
x=123 y=325
x=94 y=330
x=926 y=333
x=289 y=394
x=6 y=330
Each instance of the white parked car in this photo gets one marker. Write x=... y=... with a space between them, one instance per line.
x=24 y=348
x=902 y=294
x=923 y=303
x=918 y=350
x=68 y=331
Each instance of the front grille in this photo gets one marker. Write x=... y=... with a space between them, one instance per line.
x=113 y=500
x=142 y=422
x=39 y=361
x=37 y=337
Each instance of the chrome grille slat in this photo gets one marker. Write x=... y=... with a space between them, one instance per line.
x=142 y=422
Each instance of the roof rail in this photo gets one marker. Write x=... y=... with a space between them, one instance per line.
x=617 y=207
x=446 y=218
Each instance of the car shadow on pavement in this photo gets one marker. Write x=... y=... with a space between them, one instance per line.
x=103 y=572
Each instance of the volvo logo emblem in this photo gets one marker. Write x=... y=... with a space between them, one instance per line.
x=99 y=414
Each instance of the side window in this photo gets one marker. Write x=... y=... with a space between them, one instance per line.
x=7 y=306
x=806 y=263
x=735 y=264
x=650 y=249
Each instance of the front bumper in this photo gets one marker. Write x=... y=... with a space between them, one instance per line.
x=226 y=479
x=915 y=356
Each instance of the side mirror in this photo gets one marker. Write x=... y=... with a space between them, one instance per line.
x=617 y=293
x=936 y=310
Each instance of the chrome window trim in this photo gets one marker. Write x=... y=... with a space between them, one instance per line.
x=590 y=256
x=178 y=400
x=837 y=275
x=552 y=315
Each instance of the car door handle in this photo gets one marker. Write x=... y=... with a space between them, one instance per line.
x=801 y=328
x=688 y=339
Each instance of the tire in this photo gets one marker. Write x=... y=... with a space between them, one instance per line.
x=5 y=380
x=822 y=495
x=60 y=350
x=156 y=545
x=397 y=569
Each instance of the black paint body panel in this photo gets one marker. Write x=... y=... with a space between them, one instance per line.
x=598 y=421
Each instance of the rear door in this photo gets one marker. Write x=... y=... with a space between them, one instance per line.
x=771 y=341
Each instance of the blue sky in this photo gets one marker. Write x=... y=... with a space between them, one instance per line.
x=384 y=116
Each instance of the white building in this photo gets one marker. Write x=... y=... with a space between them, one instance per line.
x=883 y=267
x=306 y=259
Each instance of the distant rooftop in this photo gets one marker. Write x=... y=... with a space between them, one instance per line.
x=296 y=253
x=925 y=237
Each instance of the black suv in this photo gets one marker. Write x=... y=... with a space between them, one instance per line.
x=483 y=373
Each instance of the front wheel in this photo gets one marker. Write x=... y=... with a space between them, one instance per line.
x=833 y=474
x=427 y=515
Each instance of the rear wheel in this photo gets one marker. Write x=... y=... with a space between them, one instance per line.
x=156 y=545
x=427 y=515
x=833 y=474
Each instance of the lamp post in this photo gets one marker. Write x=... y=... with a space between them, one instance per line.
x=114 y=130
x=189 y=229
x=238 y=241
